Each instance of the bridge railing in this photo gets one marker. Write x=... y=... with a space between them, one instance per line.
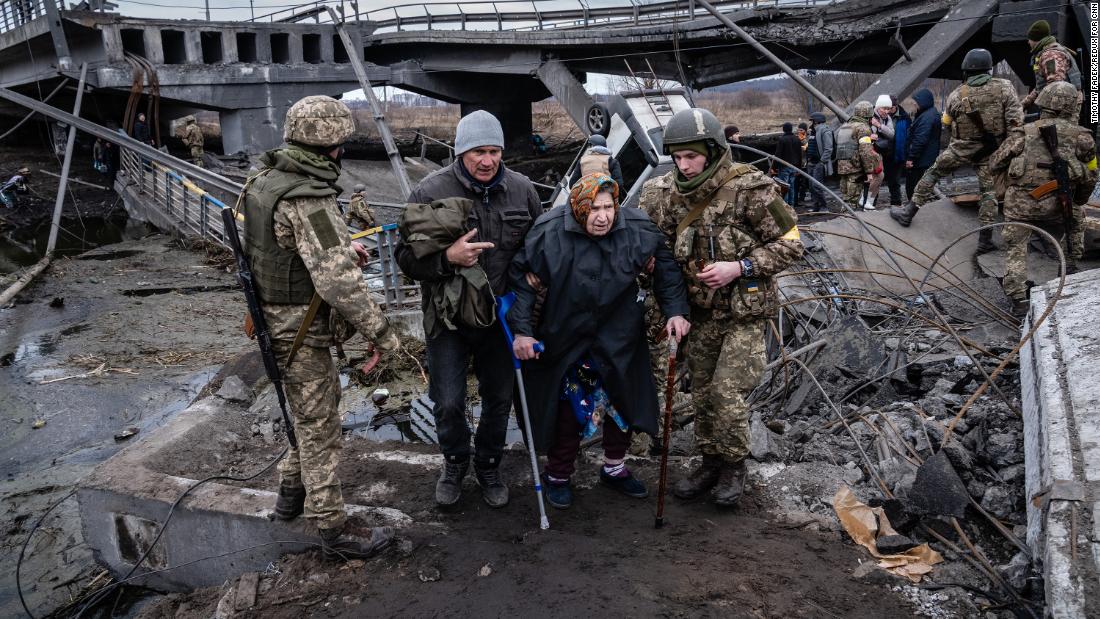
x=193 y=211
x=15 y=13
x=519 y=14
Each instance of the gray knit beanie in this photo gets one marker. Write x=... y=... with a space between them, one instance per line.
x=478 y=128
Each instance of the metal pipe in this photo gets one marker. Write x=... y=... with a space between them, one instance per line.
x=59 y=203
x=354 y=54
x=801 y=81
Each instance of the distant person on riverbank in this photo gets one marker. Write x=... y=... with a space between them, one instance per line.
x=17 y=184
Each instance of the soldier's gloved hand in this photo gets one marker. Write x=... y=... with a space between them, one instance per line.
x=718 y=274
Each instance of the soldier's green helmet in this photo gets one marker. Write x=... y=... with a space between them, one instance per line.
x=691 y=126
x=318 y=120
x=863 y=109
x=977 y=60
x=1059 y=98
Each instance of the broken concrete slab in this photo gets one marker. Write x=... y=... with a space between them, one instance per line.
x=233 y=389
x=124 y=502
x=1061 y=410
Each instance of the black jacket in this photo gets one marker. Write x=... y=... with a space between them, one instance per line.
x=141 y=132
x=502 y=216
x=789 y=149
x=592 y=307
x=924 y=138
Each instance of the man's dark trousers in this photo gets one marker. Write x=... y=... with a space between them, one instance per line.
x=448 y=358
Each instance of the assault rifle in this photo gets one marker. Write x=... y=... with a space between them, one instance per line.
x=989 y=141
x=259 y=323
x=1060 y=169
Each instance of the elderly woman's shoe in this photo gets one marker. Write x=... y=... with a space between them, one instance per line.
x=627 y=484
x=558 y=494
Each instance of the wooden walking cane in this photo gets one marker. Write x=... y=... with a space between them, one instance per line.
x=670 y=390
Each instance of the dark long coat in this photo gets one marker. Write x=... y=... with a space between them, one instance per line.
x=592 y=306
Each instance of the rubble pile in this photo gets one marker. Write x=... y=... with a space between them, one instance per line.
x=866 y=393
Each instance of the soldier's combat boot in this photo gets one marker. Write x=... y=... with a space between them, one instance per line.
x=904 y=214
x=985 y=242
x=290 y=502
x=1020 y=307
x=493 y=489
x=449 y=487
x=354 y=542
x=731 y=484
x=700 y=480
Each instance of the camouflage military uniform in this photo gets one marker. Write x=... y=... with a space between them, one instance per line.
x=359 y=214
x=1052 y=62
x=856 y=156
x=1026 y=159
x=298 y=245
x=995 y=100
x=192 y=138
x=747 y=219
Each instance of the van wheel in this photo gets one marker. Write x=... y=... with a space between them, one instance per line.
x=598 y=120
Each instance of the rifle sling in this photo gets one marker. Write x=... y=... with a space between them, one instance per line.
x=697 y=212
x=300 y=336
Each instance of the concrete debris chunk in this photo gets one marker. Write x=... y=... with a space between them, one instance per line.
x=233 y=389
x=428 y=574
x=893 y=544
x=938 y=490
x=764 y=444
x=1003 y=449
x=247 y=586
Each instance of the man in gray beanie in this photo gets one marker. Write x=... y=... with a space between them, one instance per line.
x=505 y=205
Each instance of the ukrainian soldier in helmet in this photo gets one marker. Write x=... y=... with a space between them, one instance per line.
x=980 y=114
x=298 y=246
x=192 y=139
x=857 y=163
x=1033 y=189
x=1051 y=62
x=359 y=214
x=731 y=232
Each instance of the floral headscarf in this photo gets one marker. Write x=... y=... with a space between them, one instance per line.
x=583 y=194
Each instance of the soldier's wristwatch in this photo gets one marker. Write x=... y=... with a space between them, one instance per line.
x=746 y=268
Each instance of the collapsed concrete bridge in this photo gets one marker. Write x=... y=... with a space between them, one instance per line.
x=250 y=72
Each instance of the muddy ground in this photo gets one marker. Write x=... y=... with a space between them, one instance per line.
x=603 y=555
x=118 y=339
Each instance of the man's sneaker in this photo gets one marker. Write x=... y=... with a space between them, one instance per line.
x=627 y=484
x=700 y=480
x=558 y=494
x=354 y=542
x=291 y=502
x=448 y=489
x=493 y=489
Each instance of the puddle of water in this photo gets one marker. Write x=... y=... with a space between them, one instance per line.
x=406 y=418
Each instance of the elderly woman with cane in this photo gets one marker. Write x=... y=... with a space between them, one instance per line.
x=583 y=262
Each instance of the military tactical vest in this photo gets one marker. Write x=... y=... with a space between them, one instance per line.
x=846 y=146
x=722 y=233
x=595 y=162
x=1032 y=167
x=279 y=274
x=1073 y=76
x=986 y=100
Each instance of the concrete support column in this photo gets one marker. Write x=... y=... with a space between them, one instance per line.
x=252 y=130
x=192 y=40
x=294 y=47
x=229 y=47
x=514 y=117
x=326 y=49
x=154 y=47
x=112 y=43
x=263 y=48
x=569 y=91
